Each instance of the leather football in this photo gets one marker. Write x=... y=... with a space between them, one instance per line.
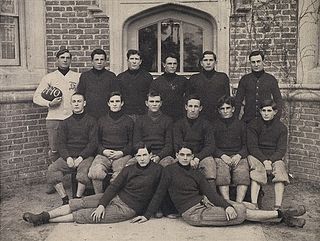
x=50 y=93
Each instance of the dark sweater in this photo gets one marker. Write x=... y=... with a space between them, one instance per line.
x=254 y=88
x=230 y=137
x=156 y=133
x=210 y=87
x=199 y=136
x=96 y=86
x=135 y=185
x=172 y=88
x=267 y=140
x=134 y=87
x=186 y=188
x=115 y=134
x=77 y=136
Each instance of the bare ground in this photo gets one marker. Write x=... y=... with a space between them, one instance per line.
x=34 y=199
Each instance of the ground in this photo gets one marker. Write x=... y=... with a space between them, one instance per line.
x=34 y=199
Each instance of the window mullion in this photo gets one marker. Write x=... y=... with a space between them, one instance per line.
x=159 y=47
x=181 y=47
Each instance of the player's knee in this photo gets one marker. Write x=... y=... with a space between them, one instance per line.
x=96 y=172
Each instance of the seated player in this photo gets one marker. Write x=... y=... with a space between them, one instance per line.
x=77 y=142
x=115 y=132
x=201 y=205
x=231 y=151
x=155 y=130
x=126 y=197
x=267 y=144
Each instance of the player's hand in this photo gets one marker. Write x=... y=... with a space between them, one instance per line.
x=194 y=163
x=227 y=160
x=70 y=162
x=155 y=159
x=98 y=214
x=78 y=161
x=231 y=213
x=108 y=152
x=235 y=160
x=55 y=102
x=268 y=166
x=139 y=219
x=116 y=155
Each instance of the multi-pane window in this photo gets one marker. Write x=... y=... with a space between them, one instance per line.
x=171 y=36
x=9 y=32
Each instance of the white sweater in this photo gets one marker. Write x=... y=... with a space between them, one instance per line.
x=67 y=84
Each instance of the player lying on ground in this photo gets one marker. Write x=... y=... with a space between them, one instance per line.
x=201 y=205
x=126 y=197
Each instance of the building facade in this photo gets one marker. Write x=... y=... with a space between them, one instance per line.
x=32 y=32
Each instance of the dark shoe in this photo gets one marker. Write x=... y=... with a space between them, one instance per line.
x=158 y=214
x=294 y=211
x=35 y=219
x=294 y=222
x=50 y=189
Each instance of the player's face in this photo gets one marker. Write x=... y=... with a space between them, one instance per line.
x=184 y=156
x=170 y=66
x=134 y=62
x=64 y=61
x=226 y=111
x=193 y=108
x=99 y=61
x=115 y=104
x=143 y=157
x=256 y=63
x=208 y=62
x=154 y=103
x=78 y=103
x=267 y=113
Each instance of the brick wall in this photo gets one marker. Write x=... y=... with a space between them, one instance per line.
x=23 y=142
x=70 y=24
x=271 y=26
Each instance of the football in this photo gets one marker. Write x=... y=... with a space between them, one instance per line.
x=50 y=93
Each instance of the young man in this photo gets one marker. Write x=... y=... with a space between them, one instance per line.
x=155 y=130
x=256 y=87
x=128 y=196
x=210 y=85
x=115 y=132
x=97 y=84
x=172 y=88
x=134 y=85
x=201 y=205
x=198 y=133
x=267 y=144
x=231 y=151
x=77 y=144
x=59 y=108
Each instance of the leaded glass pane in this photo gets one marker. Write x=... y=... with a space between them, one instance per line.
x=148 y=47
x=170 y=38
x=8 y=38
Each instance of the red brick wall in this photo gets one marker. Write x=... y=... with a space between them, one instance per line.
x=70 y=24
x=271 y=27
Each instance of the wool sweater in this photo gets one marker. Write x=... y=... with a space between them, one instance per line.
x=230 y=137
x=172 y=88
x=115 y=134
x=210 y=86
x=67 y=84
x=77 y=136
x=135 y=185
x=156 y=133
x=267 y=140
x=186 y=188
x=96 y=86
x=198 y=135
x=134 y=86
x=253 y=89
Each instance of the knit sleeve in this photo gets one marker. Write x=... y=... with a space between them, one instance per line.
x=226 y=85
x=92 y=144
x=81 y=88
x=167 y=149
x=177 y=135
x=37 y=98
x=128 y=148
x=100 y=132
x=209 y=143
x=281 y=145
x=253 y=142
x=239 y=97
x=62 y=139
x=276 y=94
x=137 y=131
x=243 y=151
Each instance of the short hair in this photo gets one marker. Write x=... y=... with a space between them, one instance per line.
x=98 y=51
x=193 y=96
x=141 y=145
x=133 y=52
x=114 y=93
x=170 y=55
x=62 y=51
x=226 y=100
x=208 y=52
x=78 y=93
x=153 y=93
x=256 y=53
x=265 y=103
x=184 y=145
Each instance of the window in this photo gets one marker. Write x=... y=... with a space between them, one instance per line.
x=9 y=33
x=171 y=36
